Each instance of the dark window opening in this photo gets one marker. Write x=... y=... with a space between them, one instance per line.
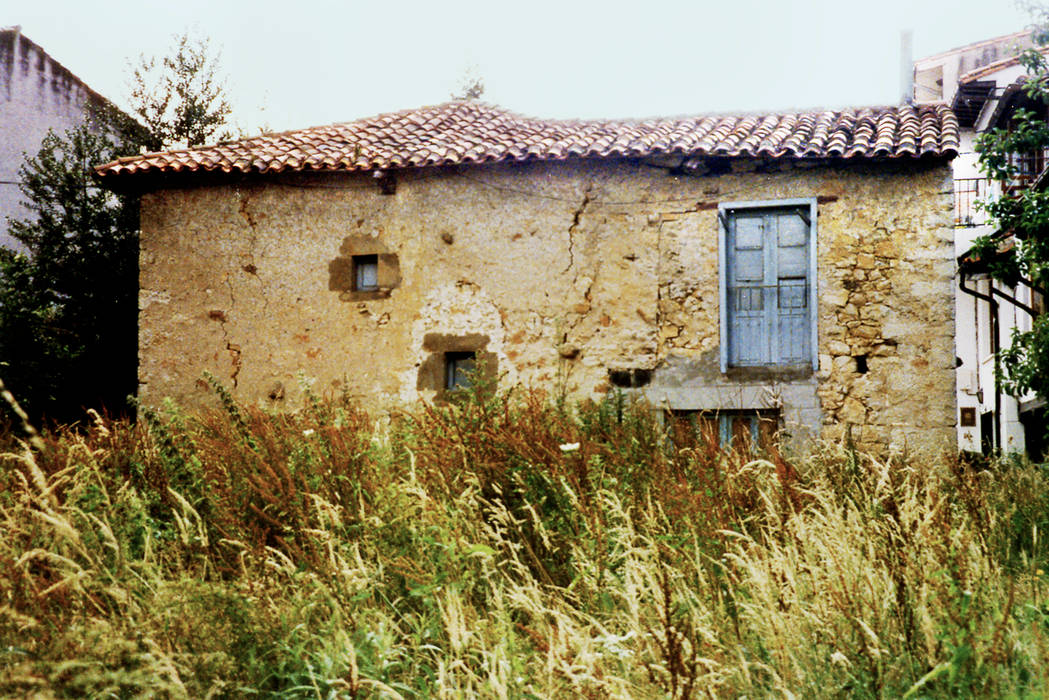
x=861 y=364
x=458 y=369
x=967 y=417
x=1034 y=422
x=629 y=378
x=365 y=273
x=987 y=432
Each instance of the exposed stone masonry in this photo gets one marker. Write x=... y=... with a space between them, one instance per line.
x=569 y=271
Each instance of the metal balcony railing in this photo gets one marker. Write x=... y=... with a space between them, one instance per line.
x=1028 y=169
x=967 y=191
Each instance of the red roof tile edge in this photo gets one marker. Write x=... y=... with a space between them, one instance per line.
x=464 y=132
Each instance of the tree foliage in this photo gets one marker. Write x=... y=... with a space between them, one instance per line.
x=470 y=85
x=180 y=99
x=1019 y=252
x=69 y=303
x=68 y=307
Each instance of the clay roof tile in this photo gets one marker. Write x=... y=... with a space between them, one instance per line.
x=459 y=132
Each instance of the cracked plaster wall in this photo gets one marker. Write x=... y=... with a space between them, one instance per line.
x=570 y=269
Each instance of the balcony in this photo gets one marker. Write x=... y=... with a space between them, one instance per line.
x=1030 y=170
x=967 y=191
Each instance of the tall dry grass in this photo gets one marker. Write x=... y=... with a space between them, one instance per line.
x=473 y=550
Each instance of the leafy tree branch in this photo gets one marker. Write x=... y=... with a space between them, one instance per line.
x=180 y=98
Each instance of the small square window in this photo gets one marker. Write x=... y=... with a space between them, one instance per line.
x=968 y=417
x=458 y=366
x=365 y=273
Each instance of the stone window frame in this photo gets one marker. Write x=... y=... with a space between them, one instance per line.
x=342 y=271
x=433 y=370
x=725 y=211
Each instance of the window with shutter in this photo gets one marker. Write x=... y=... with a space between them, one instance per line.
x=744 y=430
x=768 y=274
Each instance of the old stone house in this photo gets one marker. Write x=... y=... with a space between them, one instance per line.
x=794 y=267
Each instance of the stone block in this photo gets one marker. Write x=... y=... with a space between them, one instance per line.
x=836 y=347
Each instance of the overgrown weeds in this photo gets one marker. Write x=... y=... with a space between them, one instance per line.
x=501 y=546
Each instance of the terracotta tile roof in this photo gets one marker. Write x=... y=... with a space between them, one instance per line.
x=471 y=132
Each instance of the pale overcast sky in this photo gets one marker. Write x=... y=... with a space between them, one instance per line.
x=308 y=62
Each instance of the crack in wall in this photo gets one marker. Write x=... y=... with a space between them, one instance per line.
x=573 y=319
x=234 y=353
x=232 y=348
x=576 y=217
x=660 y=315
x=249 y=266
x=245 y=198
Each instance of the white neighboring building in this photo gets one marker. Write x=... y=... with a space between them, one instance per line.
x=981 y=84
x=37 y=93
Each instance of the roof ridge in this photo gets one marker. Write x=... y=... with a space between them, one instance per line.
x=493 y=108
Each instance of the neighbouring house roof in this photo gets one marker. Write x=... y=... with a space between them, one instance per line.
x=992 y=68
x=1015 y=36
x=463 y=132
